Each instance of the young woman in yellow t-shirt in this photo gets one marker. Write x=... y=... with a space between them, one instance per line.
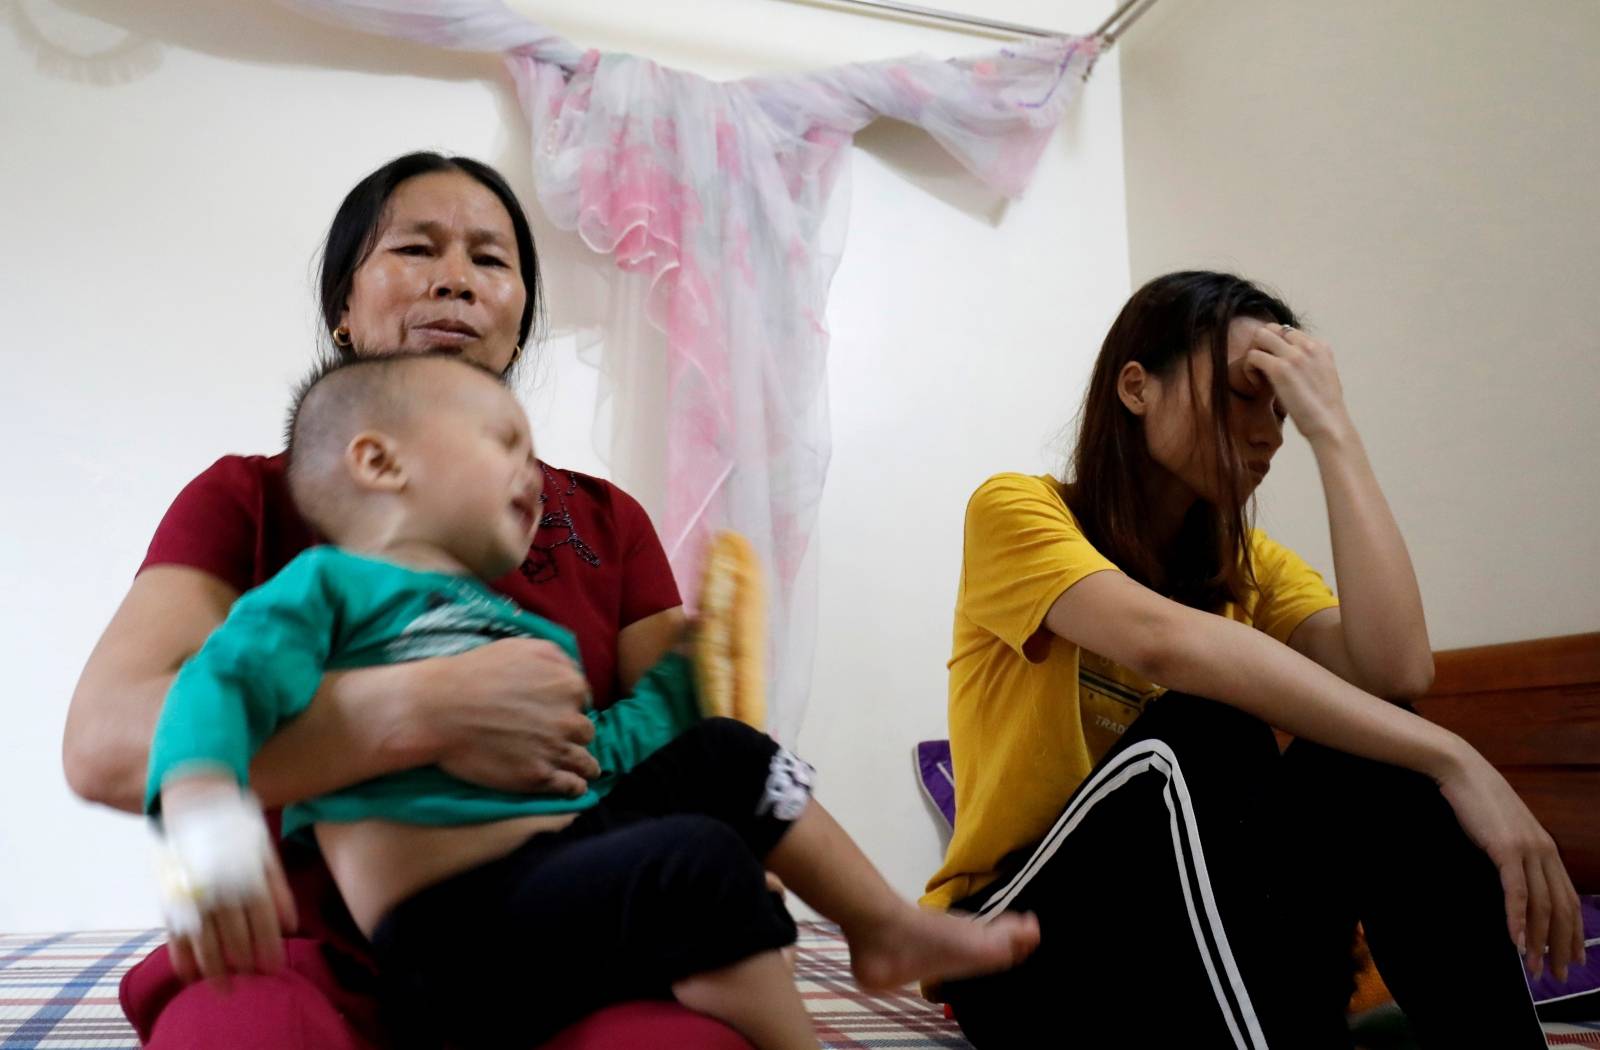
x=1191 y=882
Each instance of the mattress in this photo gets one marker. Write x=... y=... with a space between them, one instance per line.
x=59 y=992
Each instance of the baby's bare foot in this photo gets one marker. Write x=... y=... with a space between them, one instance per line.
x=922 y=945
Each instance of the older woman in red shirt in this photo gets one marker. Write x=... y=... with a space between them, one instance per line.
x=427 y=253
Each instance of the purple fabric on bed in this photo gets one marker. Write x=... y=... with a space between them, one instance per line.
x=938 y=778
x=1580 y=979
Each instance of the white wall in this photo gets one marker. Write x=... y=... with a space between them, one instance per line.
x=1420 y=180
x=160 y=206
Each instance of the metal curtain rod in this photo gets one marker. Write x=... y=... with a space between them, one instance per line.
x=1124 y=16
x=1127 y=13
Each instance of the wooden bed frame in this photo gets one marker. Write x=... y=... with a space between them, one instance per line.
x=1533 y=709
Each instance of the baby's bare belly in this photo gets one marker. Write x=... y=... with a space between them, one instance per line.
x=378 y=864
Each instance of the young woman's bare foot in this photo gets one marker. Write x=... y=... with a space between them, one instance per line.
x=921 y=945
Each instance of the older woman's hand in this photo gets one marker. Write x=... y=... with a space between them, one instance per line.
x=510 y=715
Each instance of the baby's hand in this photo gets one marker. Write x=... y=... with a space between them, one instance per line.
x=226 y=901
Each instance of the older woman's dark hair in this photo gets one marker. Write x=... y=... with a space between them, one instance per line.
x=1161 y=327
x=354 y=234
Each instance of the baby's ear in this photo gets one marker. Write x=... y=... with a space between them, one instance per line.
x=372 y=457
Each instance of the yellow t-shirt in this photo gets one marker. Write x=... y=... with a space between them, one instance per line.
x=1031 y=713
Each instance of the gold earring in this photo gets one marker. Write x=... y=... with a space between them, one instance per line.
x=341 y=337
x=516 y=354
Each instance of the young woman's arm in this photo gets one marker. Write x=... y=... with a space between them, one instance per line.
x=1211 y=656
x=506 y=715
x=1377 y=639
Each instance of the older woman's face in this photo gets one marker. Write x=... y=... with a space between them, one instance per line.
x=443 y=275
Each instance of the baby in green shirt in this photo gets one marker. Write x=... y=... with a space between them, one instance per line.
x=500 y=918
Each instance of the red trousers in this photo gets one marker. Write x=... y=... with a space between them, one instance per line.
x=306 y=1007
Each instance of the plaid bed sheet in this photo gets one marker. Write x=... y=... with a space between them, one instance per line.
x=59 y=992
x=847 y=1018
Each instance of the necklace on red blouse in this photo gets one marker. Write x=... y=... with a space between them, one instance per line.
x=540 y=565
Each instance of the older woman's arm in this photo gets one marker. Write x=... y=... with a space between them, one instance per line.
x=163 y=620
x=642 y=644
x=506 y=715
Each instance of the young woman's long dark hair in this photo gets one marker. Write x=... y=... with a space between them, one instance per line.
x=1160 y=327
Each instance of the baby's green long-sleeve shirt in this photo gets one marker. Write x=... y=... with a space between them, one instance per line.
x=331 y=610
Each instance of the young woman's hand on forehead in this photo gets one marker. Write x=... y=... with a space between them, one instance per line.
x=1301 y=373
